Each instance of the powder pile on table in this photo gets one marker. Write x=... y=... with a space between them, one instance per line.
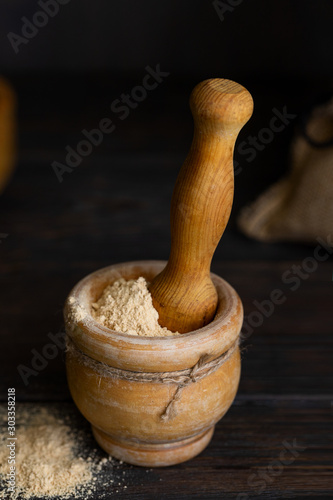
x=48 y=463
x=127 y=307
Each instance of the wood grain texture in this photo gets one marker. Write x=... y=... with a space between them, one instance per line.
x=183 y=293
x=246 y=443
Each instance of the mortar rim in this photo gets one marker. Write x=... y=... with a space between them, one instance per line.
x=105 y=345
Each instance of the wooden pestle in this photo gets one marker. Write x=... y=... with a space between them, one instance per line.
x=183 y=293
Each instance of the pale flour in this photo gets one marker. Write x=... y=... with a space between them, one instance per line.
x=49 y=462
x=127 y=307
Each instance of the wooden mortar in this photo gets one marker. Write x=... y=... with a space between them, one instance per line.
x=8 y=132
x=154 y=401
x=126 y=415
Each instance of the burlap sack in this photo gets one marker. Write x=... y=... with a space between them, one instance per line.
x=300 y=206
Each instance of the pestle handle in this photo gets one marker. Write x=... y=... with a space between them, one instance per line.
x=183 y=293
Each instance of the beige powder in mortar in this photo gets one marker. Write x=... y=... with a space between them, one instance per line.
x=127 y=307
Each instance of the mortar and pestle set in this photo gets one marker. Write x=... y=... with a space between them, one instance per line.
x=154 y=401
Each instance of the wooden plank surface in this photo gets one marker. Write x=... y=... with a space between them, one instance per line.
x=242 y=461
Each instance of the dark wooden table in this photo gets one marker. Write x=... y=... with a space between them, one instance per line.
x=114 y=207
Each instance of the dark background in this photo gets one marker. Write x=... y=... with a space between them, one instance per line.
x=114 y=207
x=257 y=38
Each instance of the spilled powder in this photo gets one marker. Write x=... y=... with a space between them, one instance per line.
x=76 y=311
x=127 y=307
x=49 y=462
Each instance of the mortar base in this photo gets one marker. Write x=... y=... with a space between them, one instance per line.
x=150 y=455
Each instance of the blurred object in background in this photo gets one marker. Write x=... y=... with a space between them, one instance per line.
x=8 y=130
x=300 y=206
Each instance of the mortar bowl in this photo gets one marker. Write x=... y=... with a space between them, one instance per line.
x=125 y=385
